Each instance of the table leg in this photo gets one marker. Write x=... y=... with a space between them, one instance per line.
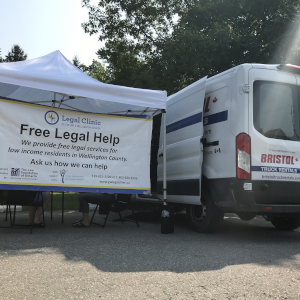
x=62 y=207
x=51 y=205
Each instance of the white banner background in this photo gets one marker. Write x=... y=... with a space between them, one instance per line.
x=61 y=150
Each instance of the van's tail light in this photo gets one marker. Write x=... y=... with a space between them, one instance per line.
x=243 y=155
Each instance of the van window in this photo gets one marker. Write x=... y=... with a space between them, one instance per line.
x=275 y=110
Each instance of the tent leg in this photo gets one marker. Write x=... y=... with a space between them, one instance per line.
x=164 y=159
x=167 y=216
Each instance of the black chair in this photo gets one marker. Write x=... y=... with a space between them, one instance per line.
x=113 y=203
x=23 y=198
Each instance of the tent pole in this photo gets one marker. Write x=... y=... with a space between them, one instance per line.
x=53 y=101
x=164 y=159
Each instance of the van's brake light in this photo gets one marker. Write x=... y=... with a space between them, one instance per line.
x=243 y=156
x=289 y=68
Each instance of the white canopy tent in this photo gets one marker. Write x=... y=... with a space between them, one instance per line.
x=37 y=80
x=52 y=80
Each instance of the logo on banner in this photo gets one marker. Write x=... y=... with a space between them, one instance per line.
x=15 y=172
x=62 y=174
x=51 y=117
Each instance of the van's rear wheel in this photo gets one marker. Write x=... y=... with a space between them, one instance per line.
x=286 y=223
x=206 y=217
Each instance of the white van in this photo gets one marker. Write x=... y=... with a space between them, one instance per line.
x=233 y=146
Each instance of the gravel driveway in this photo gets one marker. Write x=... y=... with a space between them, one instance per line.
x=244 y=260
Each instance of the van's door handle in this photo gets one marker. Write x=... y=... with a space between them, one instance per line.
x=215 y=143
x=160 y=155
x=203 y=140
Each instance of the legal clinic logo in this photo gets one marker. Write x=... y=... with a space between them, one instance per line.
x=51 y=117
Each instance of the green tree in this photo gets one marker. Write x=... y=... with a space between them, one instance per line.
x=125 y=20
x=168 y=44
x=15 y=54
x=77 y=63
x=95 y=70
x=125 y=66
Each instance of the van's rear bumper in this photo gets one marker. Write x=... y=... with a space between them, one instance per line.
x=266 y=197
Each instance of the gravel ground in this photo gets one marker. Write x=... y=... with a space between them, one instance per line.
x=244 y=260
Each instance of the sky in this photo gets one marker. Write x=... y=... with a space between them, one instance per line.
x=43 y=26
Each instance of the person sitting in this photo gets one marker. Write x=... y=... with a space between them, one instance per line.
x=84 y=208
x=35 y=214
x=97 y=198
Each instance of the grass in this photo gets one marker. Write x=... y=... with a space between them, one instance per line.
x=70 y=203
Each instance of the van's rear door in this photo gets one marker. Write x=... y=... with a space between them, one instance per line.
x=274 y=125
x=184 y=147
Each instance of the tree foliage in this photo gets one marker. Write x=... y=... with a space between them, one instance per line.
x=95 y=70
x=77 y=63
x=168 y=44
x=15 y=54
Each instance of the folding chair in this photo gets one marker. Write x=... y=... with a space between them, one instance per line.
x=24 y=198
x=113 y=203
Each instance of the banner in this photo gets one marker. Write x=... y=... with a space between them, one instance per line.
x=51 y=149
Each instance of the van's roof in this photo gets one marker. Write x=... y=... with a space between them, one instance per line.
x=245 y=66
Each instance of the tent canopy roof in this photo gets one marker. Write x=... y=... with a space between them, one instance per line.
x=53 y=77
